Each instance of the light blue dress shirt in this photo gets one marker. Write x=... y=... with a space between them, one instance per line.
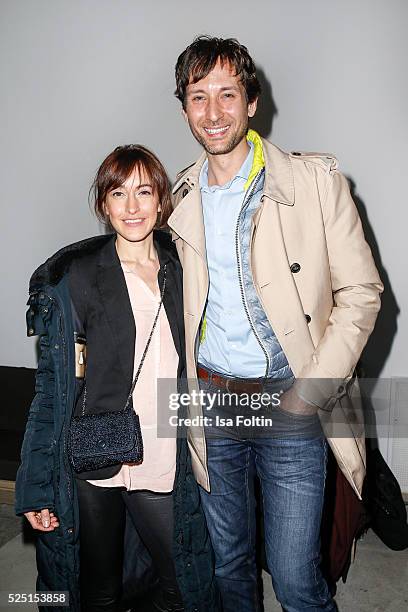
x=230 y=346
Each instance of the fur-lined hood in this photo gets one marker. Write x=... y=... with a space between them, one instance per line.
x=56 y=266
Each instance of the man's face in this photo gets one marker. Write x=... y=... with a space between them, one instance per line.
x=217 y=110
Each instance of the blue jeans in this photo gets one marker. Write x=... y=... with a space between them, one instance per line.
x=291 y=470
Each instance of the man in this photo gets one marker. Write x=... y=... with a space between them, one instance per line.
x=280 y=292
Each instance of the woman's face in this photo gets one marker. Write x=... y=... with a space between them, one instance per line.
x=132 y=208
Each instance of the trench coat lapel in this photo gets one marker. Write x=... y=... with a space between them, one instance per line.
x=116 y=303
x=188 y=223
x=279 y=183
x=187 y=218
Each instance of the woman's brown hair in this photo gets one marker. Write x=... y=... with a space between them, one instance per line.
x=118 y=166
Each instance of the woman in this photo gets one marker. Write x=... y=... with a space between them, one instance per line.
x=94 y=305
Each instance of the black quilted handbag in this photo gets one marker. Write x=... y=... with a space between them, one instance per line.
x=102 y=440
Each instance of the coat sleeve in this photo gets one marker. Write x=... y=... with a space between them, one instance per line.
x=34 y=481
x=356 y=288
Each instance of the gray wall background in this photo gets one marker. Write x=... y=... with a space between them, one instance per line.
x=80 y=77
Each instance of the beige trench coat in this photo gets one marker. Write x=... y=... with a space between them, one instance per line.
x=306 y=216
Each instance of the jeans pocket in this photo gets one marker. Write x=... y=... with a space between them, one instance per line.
x=296 y=415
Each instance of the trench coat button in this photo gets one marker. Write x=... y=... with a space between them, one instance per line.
x=185 y=192
x=31 y=331
x=295 y=267
x=340 y=389
x=308 y=318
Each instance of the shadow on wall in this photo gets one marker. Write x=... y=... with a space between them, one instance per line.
x=267 y=110
x=380 y=342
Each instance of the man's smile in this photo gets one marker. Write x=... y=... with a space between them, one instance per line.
x=219 y=131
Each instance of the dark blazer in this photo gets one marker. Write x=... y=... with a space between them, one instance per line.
x=103 y=313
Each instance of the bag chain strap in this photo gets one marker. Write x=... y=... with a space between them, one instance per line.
x=132 y=388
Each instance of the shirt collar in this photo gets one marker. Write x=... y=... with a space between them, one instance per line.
x=242 y=174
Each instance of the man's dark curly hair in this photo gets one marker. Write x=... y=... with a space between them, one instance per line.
x=200 y=58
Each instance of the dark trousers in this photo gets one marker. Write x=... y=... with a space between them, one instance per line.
x=102 y=523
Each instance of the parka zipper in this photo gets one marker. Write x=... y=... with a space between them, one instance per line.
x=64 y=427
x=239 y=267
x=65 y=395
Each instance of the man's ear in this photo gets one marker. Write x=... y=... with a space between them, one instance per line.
x=252 y=106
x=184 y=114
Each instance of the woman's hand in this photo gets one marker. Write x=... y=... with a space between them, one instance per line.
x=43 y=520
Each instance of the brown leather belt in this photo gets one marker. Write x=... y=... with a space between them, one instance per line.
x=233 y=385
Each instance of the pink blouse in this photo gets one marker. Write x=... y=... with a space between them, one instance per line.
x=156 y=472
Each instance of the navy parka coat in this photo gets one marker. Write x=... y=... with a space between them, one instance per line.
x=45 y=478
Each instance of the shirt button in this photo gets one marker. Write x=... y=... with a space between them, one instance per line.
x=308 y=318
